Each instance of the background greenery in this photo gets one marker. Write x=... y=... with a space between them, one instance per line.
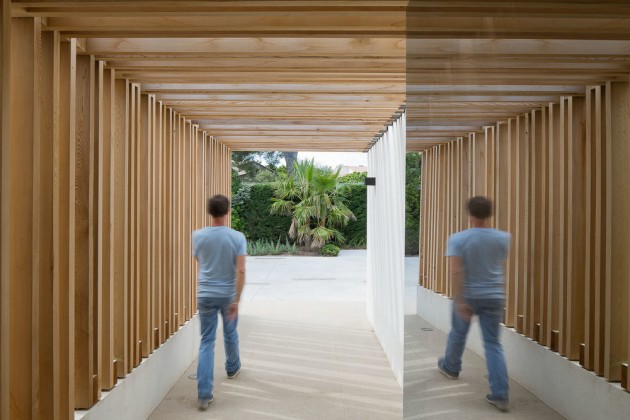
x=251 y=202
x=412 y=203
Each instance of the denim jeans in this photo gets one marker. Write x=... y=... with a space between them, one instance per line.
x=490 y=313
x=208 y=317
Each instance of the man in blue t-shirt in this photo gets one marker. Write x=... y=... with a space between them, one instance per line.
x=220 y=252
x=476 y=262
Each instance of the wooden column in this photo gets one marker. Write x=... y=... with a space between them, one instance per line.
x=119 y=257
x=617 y=311
x=19 y=90
x=63 y=286
x=576 y=238
x=81 y=142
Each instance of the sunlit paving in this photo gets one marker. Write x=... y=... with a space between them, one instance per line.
x=307 y=349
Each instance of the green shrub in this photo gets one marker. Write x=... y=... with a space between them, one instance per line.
x=267 y=247
x=412 y=203
x=250 y=214
x=355 y=231
x=329 y=250
x=353 y=178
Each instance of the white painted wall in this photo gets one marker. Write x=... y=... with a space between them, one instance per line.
x=572 y=391
x=386 y=243
x=136 y=396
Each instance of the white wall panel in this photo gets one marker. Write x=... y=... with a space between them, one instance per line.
x=386 y=243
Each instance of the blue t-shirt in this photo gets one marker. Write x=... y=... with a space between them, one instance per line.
x=216 y=249
x=483 y=252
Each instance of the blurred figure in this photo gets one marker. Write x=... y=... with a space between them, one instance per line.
x=220 y=252
x=476 y=262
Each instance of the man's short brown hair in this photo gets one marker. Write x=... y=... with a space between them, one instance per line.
x=218 y=206
x=480 y=207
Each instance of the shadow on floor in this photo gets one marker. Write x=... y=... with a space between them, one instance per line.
x=430 y=395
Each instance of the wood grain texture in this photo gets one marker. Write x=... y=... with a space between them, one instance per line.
x=79 y=235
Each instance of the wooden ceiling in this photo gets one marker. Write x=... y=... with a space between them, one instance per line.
x=471 y=64
x=257 y=75
x=328 y=75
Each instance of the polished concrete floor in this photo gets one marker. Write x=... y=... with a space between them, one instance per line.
x=307 y=349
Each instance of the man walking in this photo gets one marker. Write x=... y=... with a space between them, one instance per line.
x=476 y=263
x=220 y=252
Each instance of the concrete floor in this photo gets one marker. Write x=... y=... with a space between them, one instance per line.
x=307 y=349
x=308 y=352
x=430 y=395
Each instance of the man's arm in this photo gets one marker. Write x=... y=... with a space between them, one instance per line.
x=240 y=284
x=456 y=268
x=240 y=276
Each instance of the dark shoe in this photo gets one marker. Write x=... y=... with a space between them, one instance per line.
x=203 y=403
x=232 y=375
x=503 y=404
x=446 y=372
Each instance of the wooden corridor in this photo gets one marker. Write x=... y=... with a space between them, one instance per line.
x=119 y=117
x=528 y=103
x=118 y=121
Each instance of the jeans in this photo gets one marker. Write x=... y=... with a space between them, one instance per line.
x=208 y=310
x=490 y=312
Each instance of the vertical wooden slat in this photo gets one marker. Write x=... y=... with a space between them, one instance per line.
x=617 y=268
x=5 y=47
x=510 y=142
x=576 y=238
x=119 y=204
x=144 y=301
x=80 y=235
x=93 y=194
x=43 y=226
x=63 y=287
x=589 y=273
x=106 y=246
x=599 y=228
x=554 y=266
x=17 y=211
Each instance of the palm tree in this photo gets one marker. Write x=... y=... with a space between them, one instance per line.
x=315 y=200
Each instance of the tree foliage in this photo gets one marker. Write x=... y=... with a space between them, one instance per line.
x=315 y=200
x=412 y=203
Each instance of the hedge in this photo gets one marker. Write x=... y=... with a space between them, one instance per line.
x=250 y=215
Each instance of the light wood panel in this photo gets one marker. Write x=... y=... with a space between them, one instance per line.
x=19 y=376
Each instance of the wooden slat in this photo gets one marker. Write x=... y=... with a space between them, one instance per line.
x=599 y=226
x=576 y=238
x=144 y=284
x=508 y=136
x=43 y=298
x=94 y=200
x=63 y=286
x=616 y=306
x=17 y=213
x=105 y=246
x=80 y=275
x=554 y=266
x=5 y=32
x=118 y=239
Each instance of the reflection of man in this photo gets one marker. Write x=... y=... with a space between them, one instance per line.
x=220 y=252
x=476 y=262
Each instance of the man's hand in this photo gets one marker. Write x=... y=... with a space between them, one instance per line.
x=233 y=311
x=464 y=311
